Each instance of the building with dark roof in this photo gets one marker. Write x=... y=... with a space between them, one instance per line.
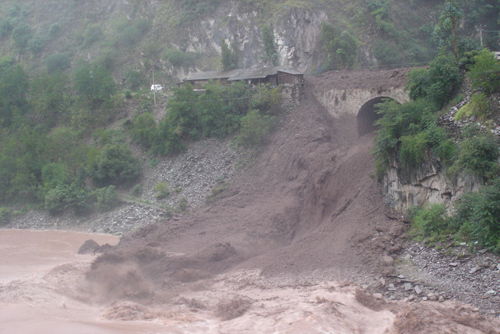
x=290 y=80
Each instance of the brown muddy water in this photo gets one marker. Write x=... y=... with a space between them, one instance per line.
x=42 y=290
x=35 y=267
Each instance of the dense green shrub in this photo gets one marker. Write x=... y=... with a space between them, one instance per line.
x=429 y=222
x=130 y=33
x=413 y=149
x=50 y=98
x=54 y=174
x=135 y=80
x=58 y=62
x=36 y=44
x=106 y=198
x=115 y=165
x=216 y=119
x=92 y=34
x=162 y=190
x=5 y=27
x=485 y=73
x=387 y=53
x=340 y=48
x=22 y=35
x=191 y=10
x=255 y=128
x=267 y=99
x=438 y=83
x=14 y=86
x=446 y=31
x=379 y=10
x=478 y=155
x=479 y=106
x=270 y=51
x=182 y=116
x=169 y=139
x=409 y=131
x=229 y=56
x=54 y=30
x=476 y=216
x=22 y=155
x=396 y=121
x=5 y=216
x=474 y=219
x=94 y=84
x=144 y=130
x=179 y=58
x=67 y=196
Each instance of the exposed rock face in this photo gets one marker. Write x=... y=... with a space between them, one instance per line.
x=296 y=35
x=428 y=183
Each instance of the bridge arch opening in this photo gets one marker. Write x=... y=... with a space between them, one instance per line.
x=367 y=115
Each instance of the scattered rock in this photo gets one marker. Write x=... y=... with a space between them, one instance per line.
x=418 y=290
x=432 y=297
x=474 y=270
x=88 y=247
x=388 y=260
x=454 y=264
x=408 y=286
x=382 y=281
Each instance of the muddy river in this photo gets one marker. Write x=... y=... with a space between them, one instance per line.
x=41 y=280
x=30 y=264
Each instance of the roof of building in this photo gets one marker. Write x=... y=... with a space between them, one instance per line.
x=241 y=74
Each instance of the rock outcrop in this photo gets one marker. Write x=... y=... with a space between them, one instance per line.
x=428 y=183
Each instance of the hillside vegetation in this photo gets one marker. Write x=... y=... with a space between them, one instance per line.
x=74 y=78
x=410 y=134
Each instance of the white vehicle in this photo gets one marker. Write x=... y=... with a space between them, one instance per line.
x=156 y=88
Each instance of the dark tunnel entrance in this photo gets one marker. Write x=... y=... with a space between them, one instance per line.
x=367 y=115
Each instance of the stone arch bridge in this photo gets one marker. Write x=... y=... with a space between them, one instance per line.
x=357 y=92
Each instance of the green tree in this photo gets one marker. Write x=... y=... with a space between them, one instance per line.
x=438 y=83
x=476 y=216
x=485 y=72
x=21 y=35
x=144 y=130
x=179 y=58
x=270 y=50
x=94 y=84
x=446 y=31
x=255 y=128
x=135 y=80
x=14 y=87
x=478 y=155
x=340 y=48
x=229 y=57
x=49 y=98
x=58 y=62
x=115 y=164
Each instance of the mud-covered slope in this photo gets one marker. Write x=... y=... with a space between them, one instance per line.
x=307 y=204
x=265 y=256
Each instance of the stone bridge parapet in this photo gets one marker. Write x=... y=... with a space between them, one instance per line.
x=346 y=92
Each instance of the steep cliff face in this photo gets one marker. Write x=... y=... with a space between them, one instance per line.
x=296 y=35
x=428 y=183
x=137 y=35
x=296 y=31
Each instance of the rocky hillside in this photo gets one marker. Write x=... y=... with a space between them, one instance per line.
x=174 y=37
